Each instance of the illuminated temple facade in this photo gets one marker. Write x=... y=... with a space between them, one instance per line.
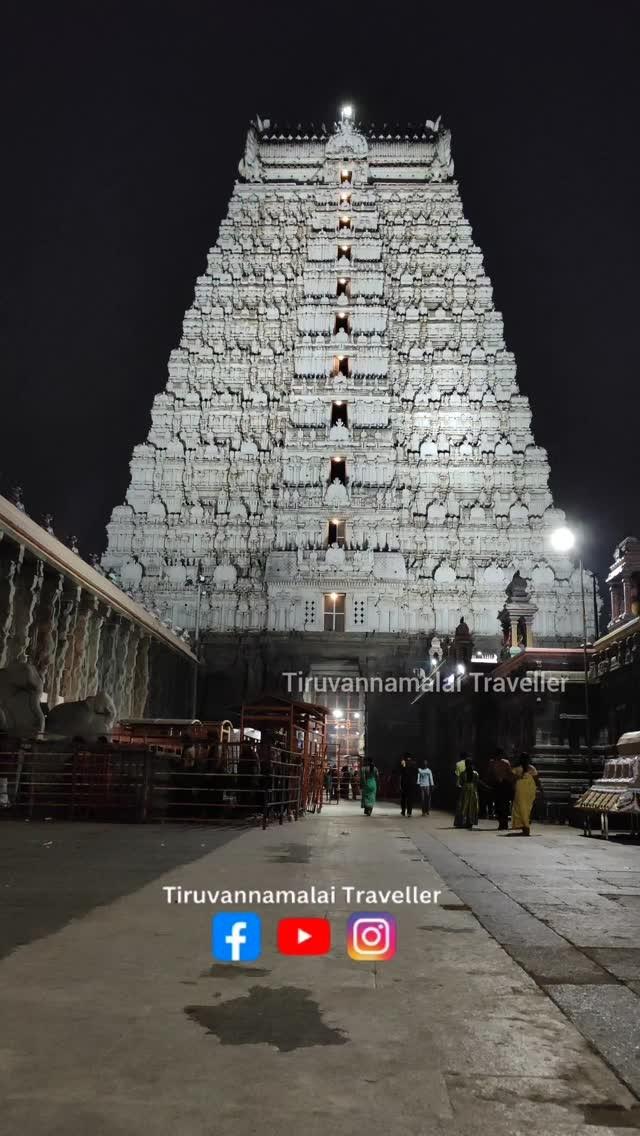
x=341 y=444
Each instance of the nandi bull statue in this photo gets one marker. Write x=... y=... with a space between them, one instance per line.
x=89 y=719
x=20 y=693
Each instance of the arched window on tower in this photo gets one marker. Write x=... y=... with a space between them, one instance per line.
x=343 y=288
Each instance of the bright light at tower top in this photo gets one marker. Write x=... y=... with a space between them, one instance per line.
x=347 y=111
x=562 y=540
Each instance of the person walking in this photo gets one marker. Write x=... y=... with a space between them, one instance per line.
x=458 y=770
x=501 y=779
x=469 y=803
x=327 y=783
x=356 y=783
x=407 y=784
x=425 y=784
x=370 y=784
x=527 y=783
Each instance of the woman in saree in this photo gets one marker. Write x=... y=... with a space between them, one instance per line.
x=525 y=788
x=370 y=784
x=468 y=807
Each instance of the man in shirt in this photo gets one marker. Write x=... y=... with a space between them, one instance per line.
x=425 y=784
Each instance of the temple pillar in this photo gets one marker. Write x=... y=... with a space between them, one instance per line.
x=27 y=587
x=46 y=631
x=626 y=597
x=92 y=659
x=140 y=692
x=129 y=670
x=121 y=653
x=11 y=567
x=77 y=657
x=69 y=607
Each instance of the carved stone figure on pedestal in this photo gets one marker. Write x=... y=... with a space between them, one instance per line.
x=89 y=719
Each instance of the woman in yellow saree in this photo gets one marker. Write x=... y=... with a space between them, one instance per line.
x=525 y=789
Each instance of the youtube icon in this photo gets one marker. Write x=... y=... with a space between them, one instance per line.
x=304 y=936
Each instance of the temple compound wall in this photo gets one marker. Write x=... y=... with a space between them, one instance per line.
x=341 y=448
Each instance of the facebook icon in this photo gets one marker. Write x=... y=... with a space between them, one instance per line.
x=237 y=936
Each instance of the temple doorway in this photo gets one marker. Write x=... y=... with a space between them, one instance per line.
x=333 y=685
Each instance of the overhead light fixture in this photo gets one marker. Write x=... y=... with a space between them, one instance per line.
x=347 y=111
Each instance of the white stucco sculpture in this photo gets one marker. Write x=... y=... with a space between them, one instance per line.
x=89 y=719
x=20 y=693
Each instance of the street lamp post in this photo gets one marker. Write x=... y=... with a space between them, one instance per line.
x=563 y=540
x=196 y=644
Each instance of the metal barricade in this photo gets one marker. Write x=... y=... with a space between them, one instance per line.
x=236 y=781
x=74 y=784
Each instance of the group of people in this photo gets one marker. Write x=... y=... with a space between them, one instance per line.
x=410 y=778
x=513 y=789
x=339 y=783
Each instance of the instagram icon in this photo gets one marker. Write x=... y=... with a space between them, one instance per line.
x=371 y=936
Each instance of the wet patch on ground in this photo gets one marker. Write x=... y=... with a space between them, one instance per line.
x=234 y=970
x=549 y=966
x=291 y=854
x=612 y=1116
x=623 y=962
x=285 y=1017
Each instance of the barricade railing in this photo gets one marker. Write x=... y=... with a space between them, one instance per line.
x=72 y=784
x=236 y=781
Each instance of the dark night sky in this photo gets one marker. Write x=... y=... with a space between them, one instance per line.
x=123 y=127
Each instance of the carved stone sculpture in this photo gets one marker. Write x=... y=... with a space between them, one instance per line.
x=89 y=719
x=20 y=693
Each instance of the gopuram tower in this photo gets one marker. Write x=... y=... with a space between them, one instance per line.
x=341 y=453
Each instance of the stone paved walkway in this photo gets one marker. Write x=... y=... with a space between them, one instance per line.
x=116 y=1020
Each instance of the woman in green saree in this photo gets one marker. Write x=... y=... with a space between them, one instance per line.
x=370 y=784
